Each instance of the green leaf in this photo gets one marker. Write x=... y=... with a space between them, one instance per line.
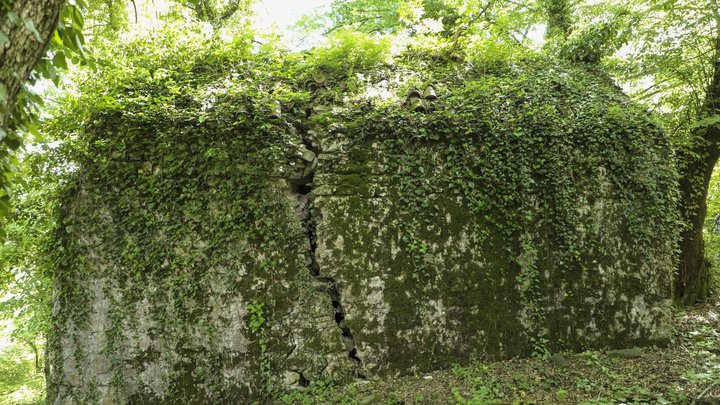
x=14 y=18
x=3 y=38
x=59 y=60
x=73 y=40
x=3 y=92
x=52 y=74
x=30 y=25
x=13 y=144
x=78 y=19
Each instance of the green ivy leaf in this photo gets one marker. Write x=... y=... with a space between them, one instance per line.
x=14 y=18
x=30 y=25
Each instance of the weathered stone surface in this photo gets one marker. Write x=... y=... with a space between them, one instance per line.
x=178 y=328
x=373 y=252
x=466 y=300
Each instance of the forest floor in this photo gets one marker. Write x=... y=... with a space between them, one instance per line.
x=685 y=372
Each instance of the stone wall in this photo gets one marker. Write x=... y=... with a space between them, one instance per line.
x=524 y=210
x=462 y=294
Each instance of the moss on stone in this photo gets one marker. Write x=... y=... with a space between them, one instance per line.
x=529 y=209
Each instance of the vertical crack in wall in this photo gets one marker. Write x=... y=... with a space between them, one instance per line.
x=302 y=190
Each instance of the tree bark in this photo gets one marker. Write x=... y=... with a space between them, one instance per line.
x=692 y=280
x=20 y=54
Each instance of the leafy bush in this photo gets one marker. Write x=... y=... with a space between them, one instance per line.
x=349 y=51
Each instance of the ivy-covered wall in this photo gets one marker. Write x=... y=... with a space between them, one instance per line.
x=520 y=214
x=249 y=234
x=184 y=272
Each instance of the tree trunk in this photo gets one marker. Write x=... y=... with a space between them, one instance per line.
x=33 y=346
x=22 y=51
x=692 y=281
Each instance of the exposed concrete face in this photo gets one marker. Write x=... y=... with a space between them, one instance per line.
x=348 y=295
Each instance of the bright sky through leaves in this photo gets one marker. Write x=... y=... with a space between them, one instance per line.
x=281 y=15
x=284 y=13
